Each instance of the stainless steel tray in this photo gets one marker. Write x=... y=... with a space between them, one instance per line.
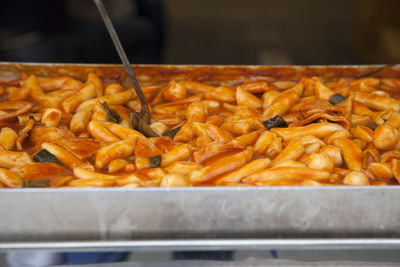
x=203 y=217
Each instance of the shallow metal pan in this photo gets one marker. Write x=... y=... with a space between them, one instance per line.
x=275 y=216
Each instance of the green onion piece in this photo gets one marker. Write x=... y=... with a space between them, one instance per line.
x=45 y=156
x=155 y=161
x=367 y=153
x=36 y=183
x=111 y=114
x=372 y=125
x=336 y=99
x=171 y=133
x=275 y=122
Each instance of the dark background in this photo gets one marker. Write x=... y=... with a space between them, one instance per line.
x=203 y=32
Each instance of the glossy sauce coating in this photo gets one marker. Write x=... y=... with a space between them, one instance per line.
x=221 y=138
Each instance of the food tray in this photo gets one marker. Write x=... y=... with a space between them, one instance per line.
x=198 y=217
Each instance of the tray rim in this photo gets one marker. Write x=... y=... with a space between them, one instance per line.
x=192 y=65
x=209 y=244
x=195 y=189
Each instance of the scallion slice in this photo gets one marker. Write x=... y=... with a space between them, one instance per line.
x=275 y=122
x=36 y=183
x=336 y=99
x=45 y=156
x=171 y=133
x=155 y=161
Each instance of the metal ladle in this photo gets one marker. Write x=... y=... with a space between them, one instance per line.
x=141 y=119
